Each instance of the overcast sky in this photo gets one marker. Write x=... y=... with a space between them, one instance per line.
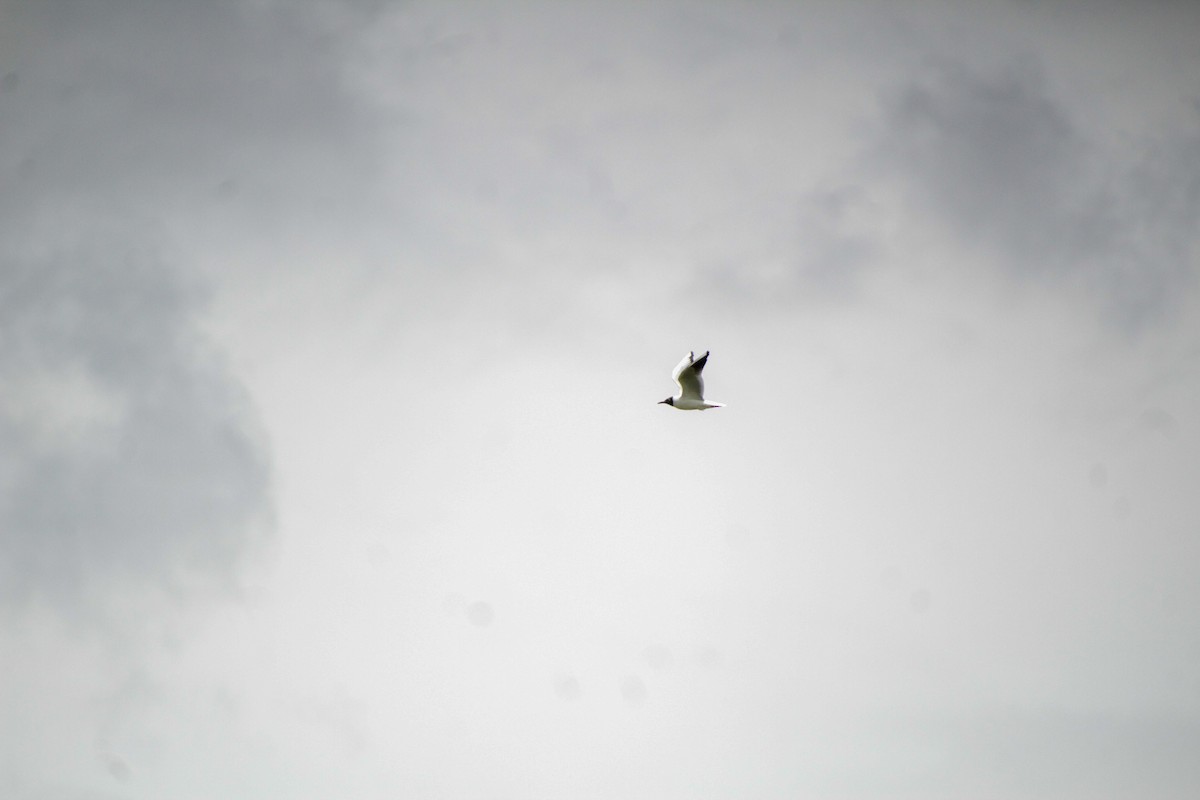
x=331 y=334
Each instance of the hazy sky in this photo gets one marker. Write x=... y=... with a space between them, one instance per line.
x=331 y=334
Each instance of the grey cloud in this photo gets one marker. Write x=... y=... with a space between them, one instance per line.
x=1007 y=168
x=1050 y=752
x=70 y=793
x=129 y=458
x=551 y=184
x=186 y=115
x=815 y=247
x=995 y=154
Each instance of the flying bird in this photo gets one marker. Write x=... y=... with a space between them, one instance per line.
x=691 y=385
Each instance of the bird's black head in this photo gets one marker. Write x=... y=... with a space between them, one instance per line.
x=669 y=401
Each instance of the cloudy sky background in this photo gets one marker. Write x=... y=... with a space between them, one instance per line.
x=330 y=337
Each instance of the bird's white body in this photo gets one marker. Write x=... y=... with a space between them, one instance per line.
x=691 y=385
x=688 y=404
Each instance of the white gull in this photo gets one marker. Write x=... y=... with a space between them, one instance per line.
x=691 y=385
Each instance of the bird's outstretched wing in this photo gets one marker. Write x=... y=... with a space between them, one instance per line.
x=687 y=375
x=687 y=361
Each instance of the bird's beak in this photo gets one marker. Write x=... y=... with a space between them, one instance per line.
x=660 y=402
